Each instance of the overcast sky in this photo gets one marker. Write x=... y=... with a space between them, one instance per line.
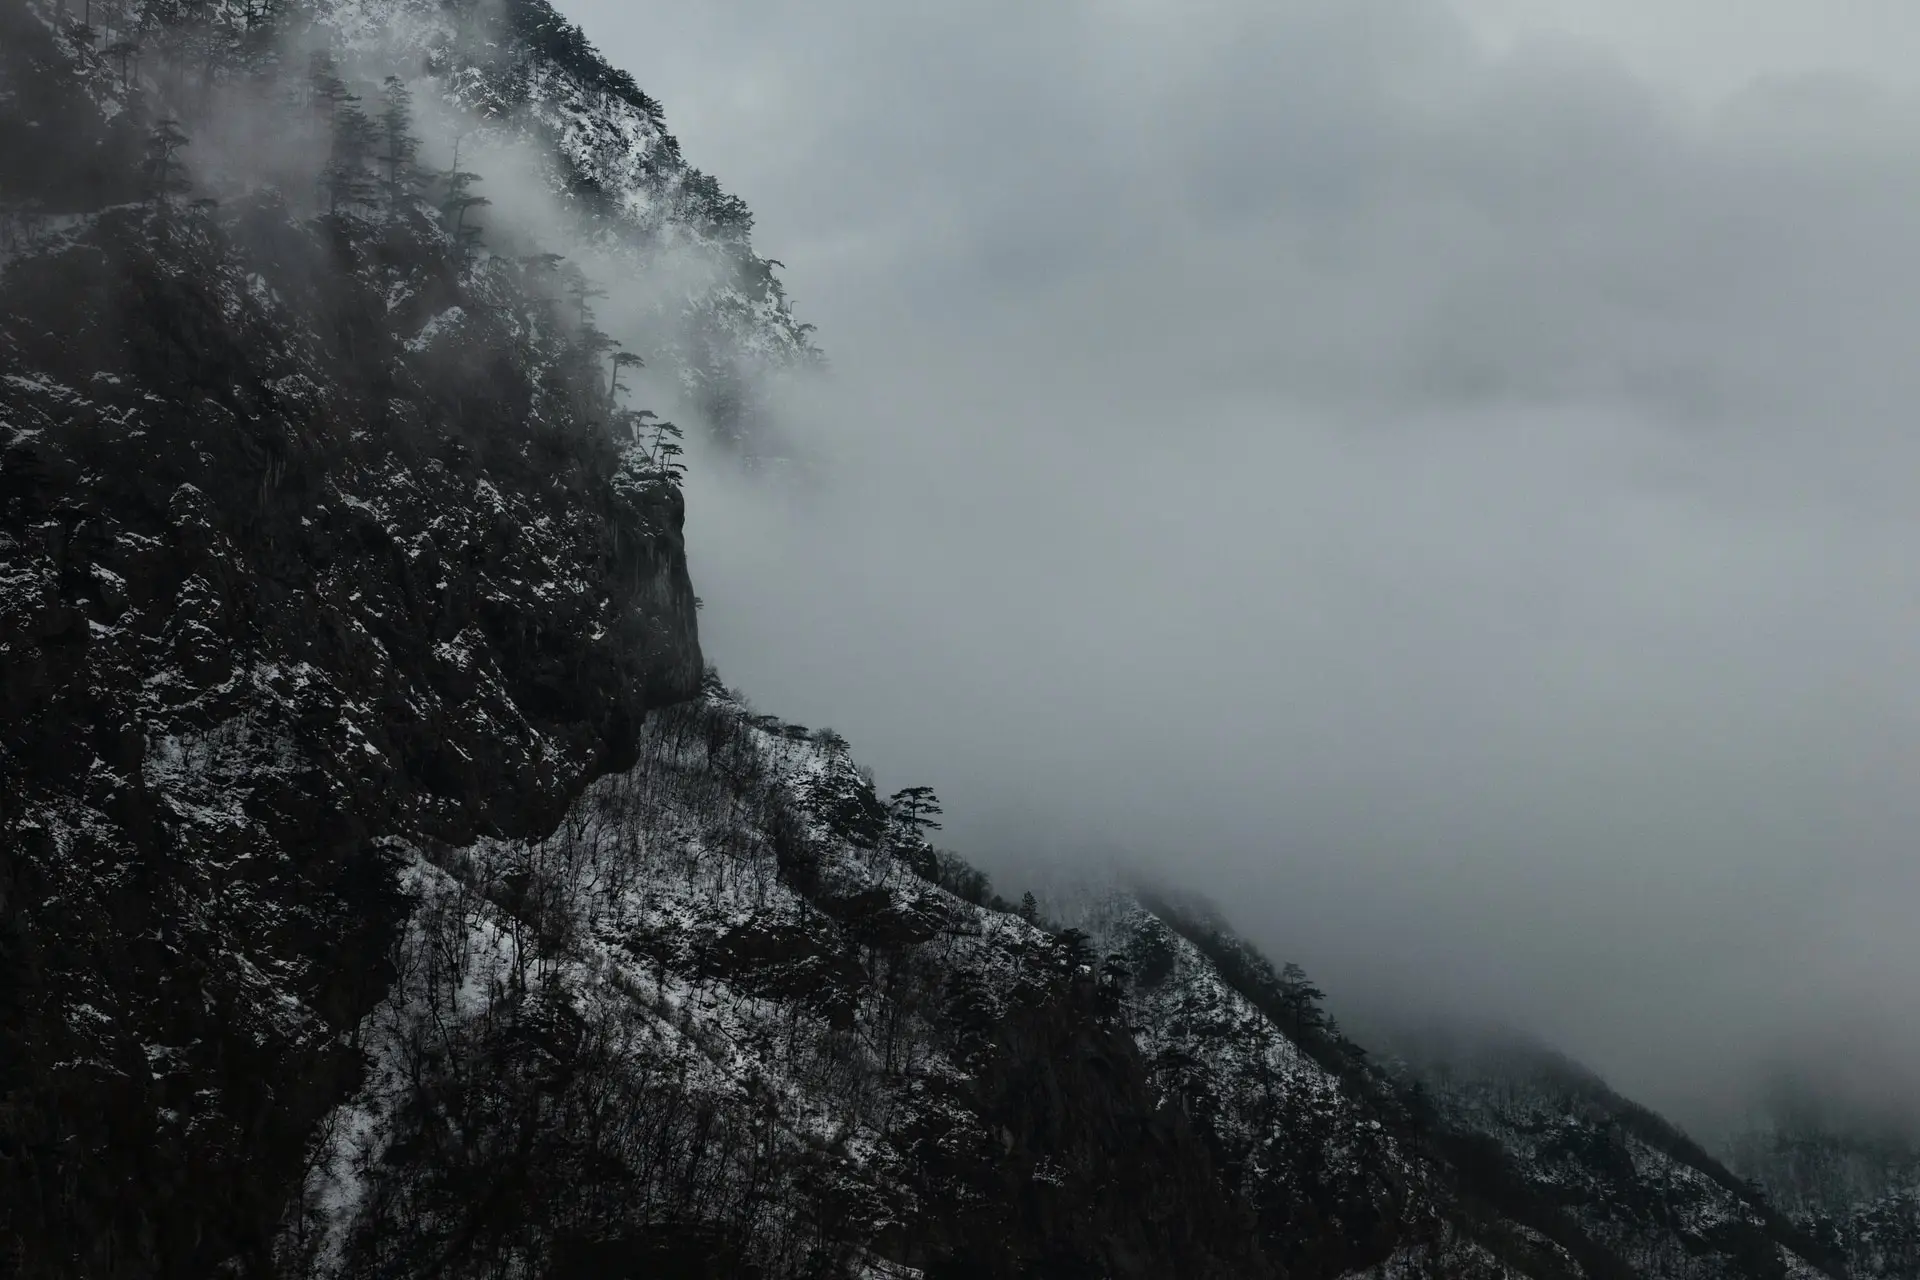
x=1440 y=479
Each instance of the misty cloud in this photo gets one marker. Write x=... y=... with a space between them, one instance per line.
x=1453 y=506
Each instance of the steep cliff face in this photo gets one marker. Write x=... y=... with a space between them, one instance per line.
x=315 y=534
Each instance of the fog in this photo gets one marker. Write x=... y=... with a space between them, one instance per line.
x=1437 y=480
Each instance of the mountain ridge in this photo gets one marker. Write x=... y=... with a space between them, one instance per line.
x=388 y=887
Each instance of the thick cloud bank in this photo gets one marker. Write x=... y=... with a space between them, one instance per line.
x=1448 y=495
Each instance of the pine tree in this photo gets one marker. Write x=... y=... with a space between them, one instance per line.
x=1115 y=977
x=916 y=808
x=913 y=812
x=125 y=50
x=631 y=424
x=589 y=345
x=1300 y=999
x=346 y=176
x=664 y=452
x=582 y=292
x=325 y=89
x=622 y=360
x=969 y=1010
x=1076 y=950
x=165 y=175
x=398 y=145
x=458 y=200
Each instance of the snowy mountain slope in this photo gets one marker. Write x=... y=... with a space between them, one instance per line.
x=1332 y=1187
x=1652 y=1198
x=717 y=1011
x=733 y=1010
x=385 y=887
x=1853 y=1188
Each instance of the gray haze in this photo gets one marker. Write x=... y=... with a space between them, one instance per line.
x=1440 y=481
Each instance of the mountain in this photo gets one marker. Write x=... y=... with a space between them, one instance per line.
x=318 y=534
x=1634 y=1185
x=389 y=889
x=1853 y=1184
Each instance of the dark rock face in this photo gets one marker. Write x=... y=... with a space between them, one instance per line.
x=278 y=582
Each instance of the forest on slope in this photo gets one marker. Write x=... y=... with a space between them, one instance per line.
x=388 y=888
